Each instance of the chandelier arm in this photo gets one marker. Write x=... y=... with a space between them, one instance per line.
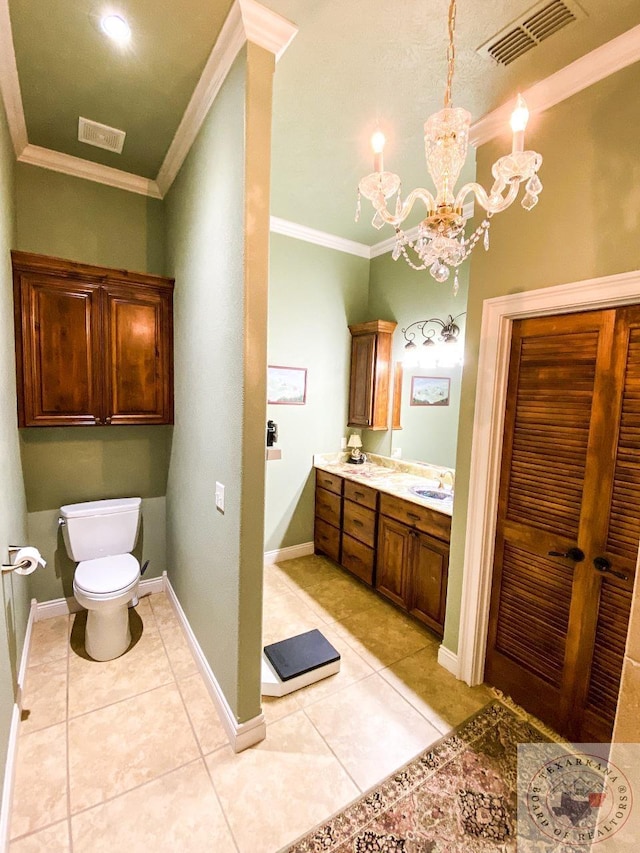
x=494 y=203
x=420 y=194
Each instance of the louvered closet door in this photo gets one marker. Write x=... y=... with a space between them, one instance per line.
x=558 y=625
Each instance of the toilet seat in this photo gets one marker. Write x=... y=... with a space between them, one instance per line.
x=105 y=577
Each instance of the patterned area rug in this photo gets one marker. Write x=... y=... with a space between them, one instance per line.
x=459 y=796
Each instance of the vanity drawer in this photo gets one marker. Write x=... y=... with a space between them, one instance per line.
x=357 y=558
x=327 y=539
x=332 y=482
x=361 y=494
x=421 y=517
x=360 y=523
x=328 y=506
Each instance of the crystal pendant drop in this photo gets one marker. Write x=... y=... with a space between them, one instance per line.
x=439 y=271
x=456 y=284
x=486 y=238
x=358 y=206
x=529 y=201
x=377 y=221
x=396 y=250
x=399 y=204
x=534 y=185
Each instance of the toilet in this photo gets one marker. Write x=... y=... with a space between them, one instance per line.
x=99 y=536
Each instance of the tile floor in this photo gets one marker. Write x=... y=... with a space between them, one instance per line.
x=130 y=754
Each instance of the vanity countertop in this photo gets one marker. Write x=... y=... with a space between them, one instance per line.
x=393 y=476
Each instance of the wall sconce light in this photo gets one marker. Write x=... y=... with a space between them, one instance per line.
x=355 y=443
x=441 y=346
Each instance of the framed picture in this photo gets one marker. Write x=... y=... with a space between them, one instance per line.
x=286 y=386
x=429 y=391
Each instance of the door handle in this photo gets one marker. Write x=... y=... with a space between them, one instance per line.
x=575 y=554
x=603 y=565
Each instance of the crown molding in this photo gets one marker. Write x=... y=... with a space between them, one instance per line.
x=319 y=238
x=265 y=28
x=10 y=83
x=34 y=155
x=573 y=78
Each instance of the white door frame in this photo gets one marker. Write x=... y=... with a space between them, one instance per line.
x=486 y=451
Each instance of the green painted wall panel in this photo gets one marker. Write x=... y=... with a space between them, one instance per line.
x=586 y=225
x=83 y=221
x=314 y=293
x=13 y=528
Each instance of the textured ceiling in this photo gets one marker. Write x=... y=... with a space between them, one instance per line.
x=354 y=63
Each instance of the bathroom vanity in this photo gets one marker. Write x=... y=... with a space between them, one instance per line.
x=388 y=523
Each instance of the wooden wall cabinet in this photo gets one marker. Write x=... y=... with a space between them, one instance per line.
x=371 y=347
x=93 y=345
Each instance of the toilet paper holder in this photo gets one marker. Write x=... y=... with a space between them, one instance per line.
x=11 y=566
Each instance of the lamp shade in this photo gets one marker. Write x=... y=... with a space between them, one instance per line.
x=354 y=440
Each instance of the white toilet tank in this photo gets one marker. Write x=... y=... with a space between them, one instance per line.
x=100 y=528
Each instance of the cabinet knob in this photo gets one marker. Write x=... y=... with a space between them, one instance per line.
x=107 y=420
x=96 y=420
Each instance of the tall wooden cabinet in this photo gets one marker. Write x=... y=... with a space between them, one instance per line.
x=93 y=345
x=370 y=374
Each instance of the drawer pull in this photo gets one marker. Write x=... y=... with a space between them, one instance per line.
x=357 y=523
x=359 y=494
x=328 y=482
x=413 y=515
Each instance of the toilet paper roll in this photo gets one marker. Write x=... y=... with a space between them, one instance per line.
x=30 y=558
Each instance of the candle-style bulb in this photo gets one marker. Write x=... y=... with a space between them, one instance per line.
x=378 y=143
x=520 y=116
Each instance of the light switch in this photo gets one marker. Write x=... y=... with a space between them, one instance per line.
x=219 y=497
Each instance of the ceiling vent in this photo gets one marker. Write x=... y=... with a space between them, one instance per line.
x=101 y=135
x=537 y=24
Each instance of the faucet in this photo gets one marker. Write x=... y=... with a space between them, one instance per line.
x=445 y=476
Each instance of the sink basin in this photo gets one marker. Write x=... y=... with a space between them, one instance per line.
x=432 y=494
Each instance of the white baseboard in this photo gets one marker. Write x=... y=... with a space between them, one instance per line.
x=65 y=606
x=12 y=744
x=241 y=735
x=449 y=661
x=290 y=553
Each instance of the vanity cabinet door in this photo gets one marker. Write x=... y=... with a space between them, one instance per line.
x=395 y=546
x=370 y=372
x=138 y=386
x=428 y=581
x=58 y=357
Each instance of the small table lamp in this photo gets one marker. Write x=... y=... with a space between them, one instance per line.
x=355 y=443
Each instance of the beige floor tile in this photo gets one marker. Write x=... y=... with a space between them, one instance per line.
x=277 y=790
x=371 y=729
x=182 y=661
x=209 y=730
x=338 y=597
x=53 y=839
x=276 y=582
x=162 y=610
x=352 y=668
x=49 y=640
x=437 y=694
x=383 y=635
x=124 y=745
x=177 y=812
x=285 y=616
x=276 y=707
x=144 y=611
x=310 y=570
x=94 y=684
x=40 y=790
x=44 y=702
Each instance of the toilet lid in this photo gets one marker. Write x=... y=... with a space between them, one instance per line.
x=107 y=574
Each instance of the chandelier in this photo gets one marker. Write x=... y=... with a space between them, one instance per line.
x=441 y=243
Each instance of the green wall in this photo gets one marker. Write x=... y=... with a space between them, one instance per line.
x=217 y=245
x=314 y=293
x=586 y=225
x=13 y=519
x=83 y=221
x=397 y=292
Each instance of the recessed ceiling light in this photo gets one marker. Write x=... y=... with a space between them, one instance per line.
x=116 y=28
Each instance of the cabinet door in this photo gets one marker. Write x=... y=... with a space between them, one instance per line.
x=395 y=543
x=363 y=351
x=428 y=581
x=139 y=359
x=58 y=355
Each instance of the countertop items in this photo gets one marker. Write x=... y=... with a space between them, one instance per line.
x=395 y=477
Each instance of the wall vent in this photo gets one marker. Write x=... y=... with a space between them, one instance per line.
x=101 y=135
x=537 y=24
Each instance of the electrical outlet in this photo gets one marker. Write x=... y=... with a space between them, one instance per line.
x=219 y=497
x=343 y=443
